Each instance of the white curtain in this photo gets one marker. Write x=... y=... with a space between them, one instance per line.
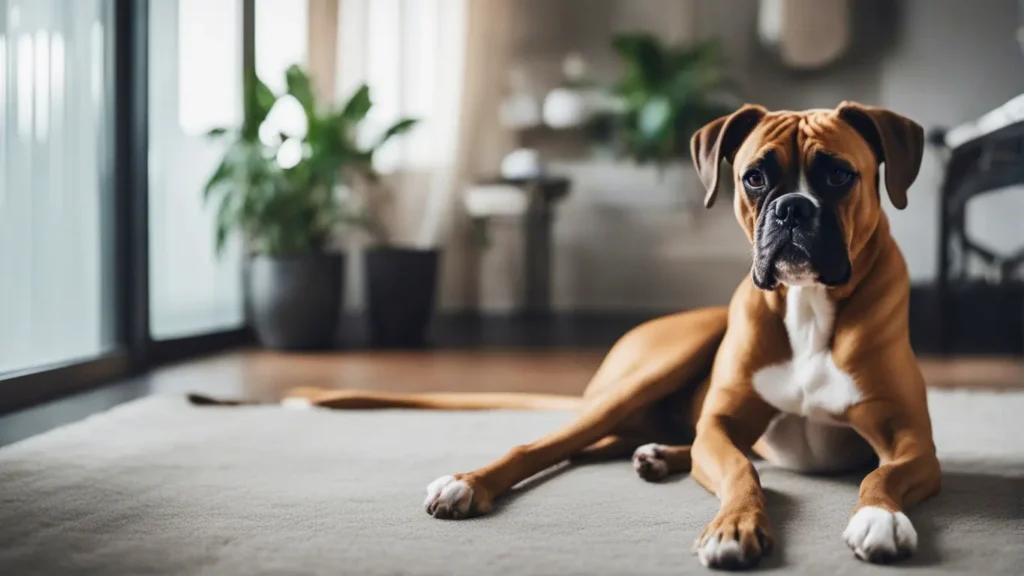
x=444 y=62
x=411 y=53
x=55 y=198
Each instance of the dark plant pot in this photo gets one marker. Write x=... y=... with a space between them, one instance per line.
x=400 y=288
x=295 y=301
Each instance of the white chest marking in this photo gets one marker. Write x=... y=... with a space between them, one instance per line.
x=809 y=384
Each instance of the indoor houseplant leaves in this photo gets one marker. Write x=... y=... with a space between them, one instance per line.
x=277 y=186
x=665 y=94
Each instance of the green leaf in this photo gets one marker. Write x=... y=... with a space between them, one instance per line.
x=396 y=129
x=699 y=82
x=265 y=100
x=226 y=221
x=216 y=132
x=655 y=117
x=358 y=105
x=223 y=173
x=665 y=93
x=702 y=54
x=643 y=56
x=301 y=87
x=256 y=110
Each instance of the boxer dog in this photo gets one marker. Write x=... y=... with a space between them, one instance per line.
x=810 y=366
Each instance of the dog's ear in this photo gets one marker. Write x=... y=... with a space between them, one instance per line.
x=721 y=139
x=897 y=141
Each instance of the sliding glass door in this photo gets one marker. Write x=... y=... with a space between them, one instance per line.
x=195 y=84
x=107 y=260
x=56 y=204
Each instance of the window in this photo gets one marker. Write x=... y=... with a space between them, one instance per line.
x=107 y=263
x=195 y=84
x=56 y=131
x=195 y=72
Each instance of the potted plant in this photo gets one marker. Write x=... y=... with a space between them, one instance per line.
x=665 y=94
x=278 y=187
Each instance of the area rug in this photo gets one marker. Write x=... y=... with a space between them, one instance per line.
x=160 y=487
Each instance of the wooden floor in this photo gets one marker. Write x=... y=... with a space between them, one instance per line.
x=264 y=375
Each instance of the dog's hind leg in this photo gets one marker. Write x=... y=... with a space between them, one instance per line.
x=646 y=365
x=654 y=462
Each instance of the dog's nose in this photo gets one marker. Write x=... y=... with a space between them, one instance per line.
x=793 y=210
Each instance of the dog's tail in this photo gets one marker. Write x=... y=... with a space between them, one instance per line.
x=659 y=358
x=366 y=400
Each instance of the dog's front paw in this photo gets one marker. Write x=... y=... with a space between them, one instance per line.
x=734 y=540
x=877 y=535
x=456 y=497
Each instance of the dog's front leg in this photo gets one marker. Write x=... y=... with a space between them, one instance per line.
x=879 y=530
x=892 y=416
x=740 y=533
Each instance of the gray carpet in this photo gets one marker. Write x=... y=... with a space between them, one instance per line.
x=160 y=487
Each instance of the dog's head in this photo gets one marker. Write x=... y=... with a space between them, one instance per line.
x=807 y=186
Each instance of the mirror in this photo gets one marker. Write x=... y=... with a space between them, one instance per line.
x=805 y=34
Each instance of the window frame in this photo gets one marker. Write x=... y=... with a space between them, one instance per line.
x=135 y=352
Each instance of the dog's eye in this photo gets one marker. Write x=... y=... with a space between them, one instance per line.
x=755 y=180
x=838 y=177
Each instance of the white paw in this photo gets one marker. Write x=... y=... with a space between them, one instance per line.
x=296 y=403
x=717 y=554
x=877 y=535
x=649 y=462
x=448 y=498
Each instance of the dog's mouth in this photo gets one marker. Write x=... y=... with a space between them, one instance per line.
x=795 y=258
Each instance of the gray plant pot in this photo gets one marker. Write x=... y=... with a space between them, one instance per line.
x=295 y=301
